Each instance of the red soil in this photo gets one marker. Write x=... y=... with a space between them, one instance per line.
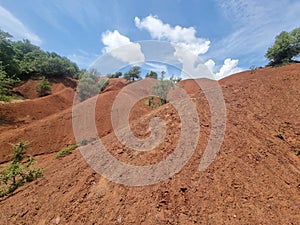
x=255 y=178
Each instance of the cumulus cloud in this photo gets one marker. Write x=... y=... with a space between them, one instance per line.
x=182 y=36
x=10 y=24
x=229 y=67
x=210 y=65
x=120 y=47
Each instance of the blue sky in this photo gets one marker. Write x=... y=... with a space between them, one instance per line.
x=228 y=35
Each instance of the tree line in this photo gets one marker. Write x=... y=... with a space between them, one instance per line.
x=22 y=60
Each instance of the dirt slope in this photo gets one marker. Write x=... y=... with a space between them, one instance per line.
x=255 y=178
x=47 y=122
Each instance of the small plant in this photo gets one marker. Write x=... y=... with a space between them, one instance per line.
x=66 y=151
x=83 y=142
x=280 y=136
x=253 y=69
x=297 y=152
x=44 y=87
x=150 y=102
x=19 y=170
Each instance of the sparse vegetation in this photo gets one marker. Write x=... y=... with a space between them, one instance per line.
x=83 y=142
x=65 y=151
x=44 y=87
x=19 y=170
x=150 y=102
x=253 y=69
x=280 y=136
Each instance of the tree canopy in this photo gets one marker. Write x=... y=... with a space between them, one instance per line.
x=21 y=59
x=151 y=74
x=285 y=48
x=133 y=73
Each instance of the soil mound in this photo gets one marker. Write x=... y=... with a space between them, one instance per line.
x=254 y=179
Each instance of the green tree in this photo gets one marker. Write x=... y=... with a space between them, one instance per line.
x=7 y=53
x=162 y=88
x=44 y=87
x=90 y=85
x=23 y=60
x=114 y=75
x=151 y=74
x=6 y=84
x=285 y=48
x=133 y=73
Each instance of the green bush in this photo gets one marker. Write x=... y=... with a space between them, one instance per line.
x=162 y=88
x=103 y=83
x=6 y=84
x=18 y=171
x=44 y=87
x=65 y=151
x=90 y=85
x=83 y=142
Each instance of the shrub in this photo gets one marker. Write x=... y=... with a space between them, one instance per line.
x=44 y=87
x=65 y=151
x=103 y=83
x=6 y=84
x=162 y=88
x=83 y=142
x=90 y=85
x=18 y=171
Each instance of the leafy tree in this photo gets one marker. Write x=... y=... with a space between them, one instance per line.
x=6 y=84
x=44 y=87
x=151 y=74
x=162 y=88
x=7 y=54
x=285 y=48
x=90 y=85
x=23 y=60
x=114 y=75
x=133 y=73
x=4 y=35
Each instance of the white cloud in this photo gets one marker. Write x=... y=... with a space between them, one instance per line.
x=229 y=67
x=255 y=20
x=210 y=65
x=10 y=24
x=120 y=47
x=192 y=66
x=182 y=36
